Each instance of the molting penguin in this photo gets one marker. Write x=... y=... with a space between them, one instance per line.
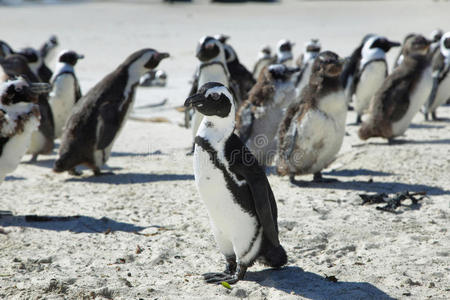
x=313 y=129
x=402 y=94
x=234 y=188
x=37 y=64
x=98 y=117
x=264 y=59
x=19 y=117
x=440 y=91
x=370 y=72
x=305 y=62
x=42 y=139
x=238 y=72
x=259 y=117
x=213 y=67
x=284 y=53
x=65 y=89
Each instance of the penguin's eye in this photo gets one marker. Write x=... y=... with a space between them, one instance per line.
x=215 y=96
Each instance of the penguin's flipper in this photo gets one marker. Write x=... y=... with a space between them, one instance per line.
x=432 y=96
x=246 y=165
x=394 y=96
x=109 y=125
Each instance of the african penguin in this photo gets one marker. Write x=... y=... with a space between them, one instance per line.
x=284 y=53
x=305 y=61
x=370 y=72
x=47 y=50
x=37 y=64
x=65 y=89
x=259 y=117
x=19 y=117
x=213 y=67
x=98 y=116
x=264 y=59
x=238 y=72
x=154 y=78
x=402 y=94
x=440 y=91
x=42 y=140
x=234 y=188
x=312 y=131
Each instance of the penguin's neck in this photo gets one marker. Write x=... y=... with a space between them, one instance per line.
x=216 y=71
x=62 y=68
x=310 y=55
x=284 y=57
x=216 y=129
x=445 y=53
x=371 y=54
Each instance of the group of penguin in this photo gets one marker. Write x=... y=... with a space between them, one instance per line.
x=38 y=105
x=291 y=113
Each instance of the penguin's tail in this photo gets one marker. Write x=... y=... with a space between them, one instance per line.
x=275 y=257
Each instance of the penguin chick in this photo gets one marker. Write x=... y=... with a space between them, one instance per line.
x=402 y=94
x=65 y=89
x=19 y=117
x=284 y=53
x=42 y=140
x=313 y=129
x=98 y=117
x=259 y=117
x=264 y=59
x=305 y=61
x=440 y=65
x=234 y=188
x=37 y=64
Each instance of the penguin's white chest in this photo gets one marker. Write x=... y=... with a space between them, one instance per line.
x=443 y=92
x=370 y=81
x=62 y=100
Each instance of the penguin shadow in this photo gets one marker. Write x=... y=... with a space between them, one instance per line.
x=295 y=281
x=403 y=142
x=131 y=178
x=76 y=224
x=13 y=178
x=426 y=126
x=132 y=154
x=45 y=163
x=356 y=172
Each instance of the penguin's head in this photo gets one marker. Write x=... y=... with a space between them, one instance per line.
x=266 y=50
x=382 y=43
x=212 y=99
x=70 y=57
x=284 y=51
x=436 y=35
x=208 y=48
x=223 y=38
x=281 y=72
x=5 y=49
x=313 y=46
x=52 y=41
x=285 y=45
x=417 y=45
x=20 y=90
x=17 y=65
x=32 y=55
x=327 y=64
x=140 y=62
x=445 y=43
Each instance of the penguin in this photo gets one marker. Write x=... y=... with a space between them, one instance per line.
x=370 y=72
x=65 y=89
x=98 y=117
x=5 y=49
x=42 y=140
x=284 y=53
x=238 y=72
x=264 y=59
x=19 y=118
x=435 y=37
x=47 y=50
x=213 y=67
x=402 y=94
x=398 y=60
x=37 y=64
x=259 y=117
x=305 y=61
x=234 y=188
x=154 y=78
x=440 y=91
x=313 y=129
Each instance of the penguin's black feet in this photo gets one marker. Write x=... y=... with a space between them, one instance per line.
x=33 y=158
x=425 y=116
x=97 y=172
x=319 y=179
x=292 y=178
x=217 y=278
x=190 y=153
x=434 y=117
x=74 y=172
x=358 y=120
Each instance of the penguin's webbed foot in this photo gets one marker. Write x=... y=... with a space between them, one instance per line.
x=434 y=117
x=74 y=172
x=219 y=277
x=319 y=179
x=33 y=158
x=97 y=172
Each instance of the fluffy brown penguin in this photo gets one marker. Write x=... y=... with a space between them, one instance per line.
x=98 y=117
x=42 y=139
x=313 y=129
x=402 y=94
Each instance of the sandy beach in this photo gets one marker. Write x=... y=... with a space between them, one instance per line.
x=144 y=233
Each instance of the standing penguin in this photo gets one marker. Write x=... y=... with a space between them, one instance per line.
x=402 y=94
x=19 y=118
x=370 y=72
x=99 y=116
x=213 y=67
x=65 y=89
x=259 y=117
x=440 y=91
x=37 y=64
x=305 y=62
x=42 y=140
x=47 y=49
x=234 y=188
x=238 y=72
x=284 y=53
x=264 y=59
x=313 y=129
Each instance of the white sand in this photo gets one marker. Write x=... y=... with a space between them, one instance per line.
x=373 y=254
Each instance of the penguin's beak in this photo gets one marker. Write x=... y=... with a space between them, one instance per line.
x=163 y=55
x=393 y=44
x=195 y=100
x=291 y=71
x=40 y=88
x=80 y=56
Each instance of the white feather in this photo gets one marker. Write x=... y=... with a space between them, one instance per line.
x=369 y=82
x=62 y=100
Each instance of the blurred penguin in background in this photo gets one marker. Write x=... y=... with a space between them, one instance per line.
x=264 y=59
x=305 y=61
